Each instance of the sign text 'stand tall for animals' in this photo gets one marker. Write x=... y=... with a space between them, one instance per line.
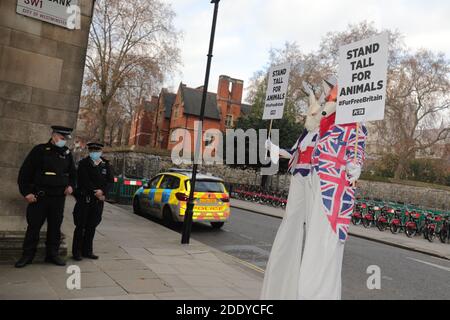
x=362 y=80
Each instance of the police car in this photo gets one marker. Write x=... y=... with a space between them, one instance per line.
x=165 y=196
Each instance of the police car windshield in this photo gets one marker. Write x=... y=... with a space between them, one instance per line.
x=207 y=186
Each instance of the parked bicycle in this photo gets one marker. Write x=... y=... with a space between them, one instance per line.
x=429 y=229
x=412 y=226
x=385 y=218
x=357 y=216
x=445 y=229
x=396 y=225
x=370 y=218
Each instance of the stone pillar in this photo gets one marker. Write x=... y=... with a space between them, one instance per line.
x=41 y=73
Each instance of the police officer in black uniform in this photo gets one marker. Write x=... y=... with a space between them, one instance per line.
x=95 y=178
x=47 y=175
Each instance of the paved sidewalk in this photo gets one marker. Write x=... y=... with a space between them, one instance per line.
x=139 y=259
x=418 y=244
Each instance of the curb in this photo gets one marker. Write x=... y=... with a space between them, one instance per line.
x=401 y=246
x=393 y=244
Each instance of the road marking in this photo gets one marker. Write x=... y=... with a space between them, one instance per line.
x=430 y=264
x=248 y=264
x=245 y=237
x=243 y=262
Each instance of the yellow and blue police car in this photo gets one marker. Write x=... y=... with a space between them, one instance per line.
x=165 y=196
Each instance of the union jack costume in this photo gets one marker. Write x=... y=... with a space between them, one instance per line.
x=334 y=150
x=301 y=153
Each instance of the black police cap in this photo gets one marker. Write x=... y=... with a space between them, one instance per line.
x=95 y=145
x=65 y=131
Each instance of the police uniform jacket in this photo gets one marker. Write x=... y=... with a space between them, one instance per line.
x=93 y=177
x=48 y=169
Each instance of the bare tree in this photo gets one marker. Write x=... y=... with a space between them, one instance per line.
x=125 y=38
x=417 y=99
x=304 y=68
x=418 y=90
x=329 y=47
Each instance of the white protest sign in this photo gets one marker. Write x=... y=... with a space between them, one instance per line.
x=362 y=80
x=277 y=86
x=60 y=12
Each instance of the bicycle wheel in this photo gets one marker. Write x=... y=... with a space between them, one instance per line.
x=366 y=223
x=381 y=226
x=425 y=233
x=394 y=228
x=443 y=236
x=410 y=232
x=431 y=236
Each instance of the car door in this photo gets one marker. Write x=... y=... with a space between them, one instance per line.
x=148 y=196
x=162 y=194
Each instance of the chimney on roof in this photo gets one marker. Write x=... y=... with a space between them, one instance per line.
x=230 y=89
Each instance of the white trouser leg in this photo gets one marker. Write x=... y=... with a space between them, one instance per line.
x=320 y=272
x=281 y=275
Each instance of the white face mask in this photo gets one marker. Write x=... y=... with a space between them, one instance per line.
x=95 y=155
x=61 y=143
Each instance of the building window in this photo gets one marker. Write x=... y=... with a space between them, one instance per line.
x=229 y=121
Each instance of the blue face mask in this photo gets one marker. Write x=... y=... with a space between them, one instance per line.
x=61 y=143
x=95 y=155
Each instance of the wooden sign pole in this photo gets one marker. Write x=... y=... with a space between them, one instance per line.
x=355 y=160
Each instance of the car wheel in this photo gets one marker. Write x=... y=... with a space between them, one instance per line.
x=167 y=217
x=136 y=206
x=217 y=225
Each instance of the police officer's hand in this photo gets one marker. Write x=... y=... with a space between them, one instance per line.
x=31 y=198
x=68 y=191
x=98 y=193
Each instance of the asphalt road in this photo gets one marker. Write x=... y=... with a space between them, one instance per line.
x=404 y=274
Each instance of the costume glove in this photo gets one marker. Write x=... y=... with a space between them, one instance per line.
x=353 y=172
x=276 y=152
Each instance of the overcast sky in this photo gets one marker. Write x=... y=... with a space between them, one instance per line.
x=247 y=29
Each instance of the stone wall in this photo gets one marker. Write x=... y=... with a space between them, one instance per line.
x=426 y=197
x=139 y=165
x=41 y=73
x=144 y=165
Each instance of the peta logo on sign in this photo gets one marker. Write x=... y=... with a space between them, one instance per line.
x=359 y=112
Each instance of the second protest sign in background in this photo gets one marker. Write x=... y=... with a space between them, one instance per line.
x=362 y=80
x=277 y=86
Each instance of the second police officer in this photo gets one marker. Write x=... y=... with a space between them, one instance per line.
x=95 y=178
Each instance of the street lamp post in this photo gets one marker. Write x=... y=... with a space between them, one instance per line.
x=187 y=224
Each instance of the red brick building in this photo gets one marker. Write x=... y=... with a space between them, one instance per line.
x=142 y=124
x=155 y=121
